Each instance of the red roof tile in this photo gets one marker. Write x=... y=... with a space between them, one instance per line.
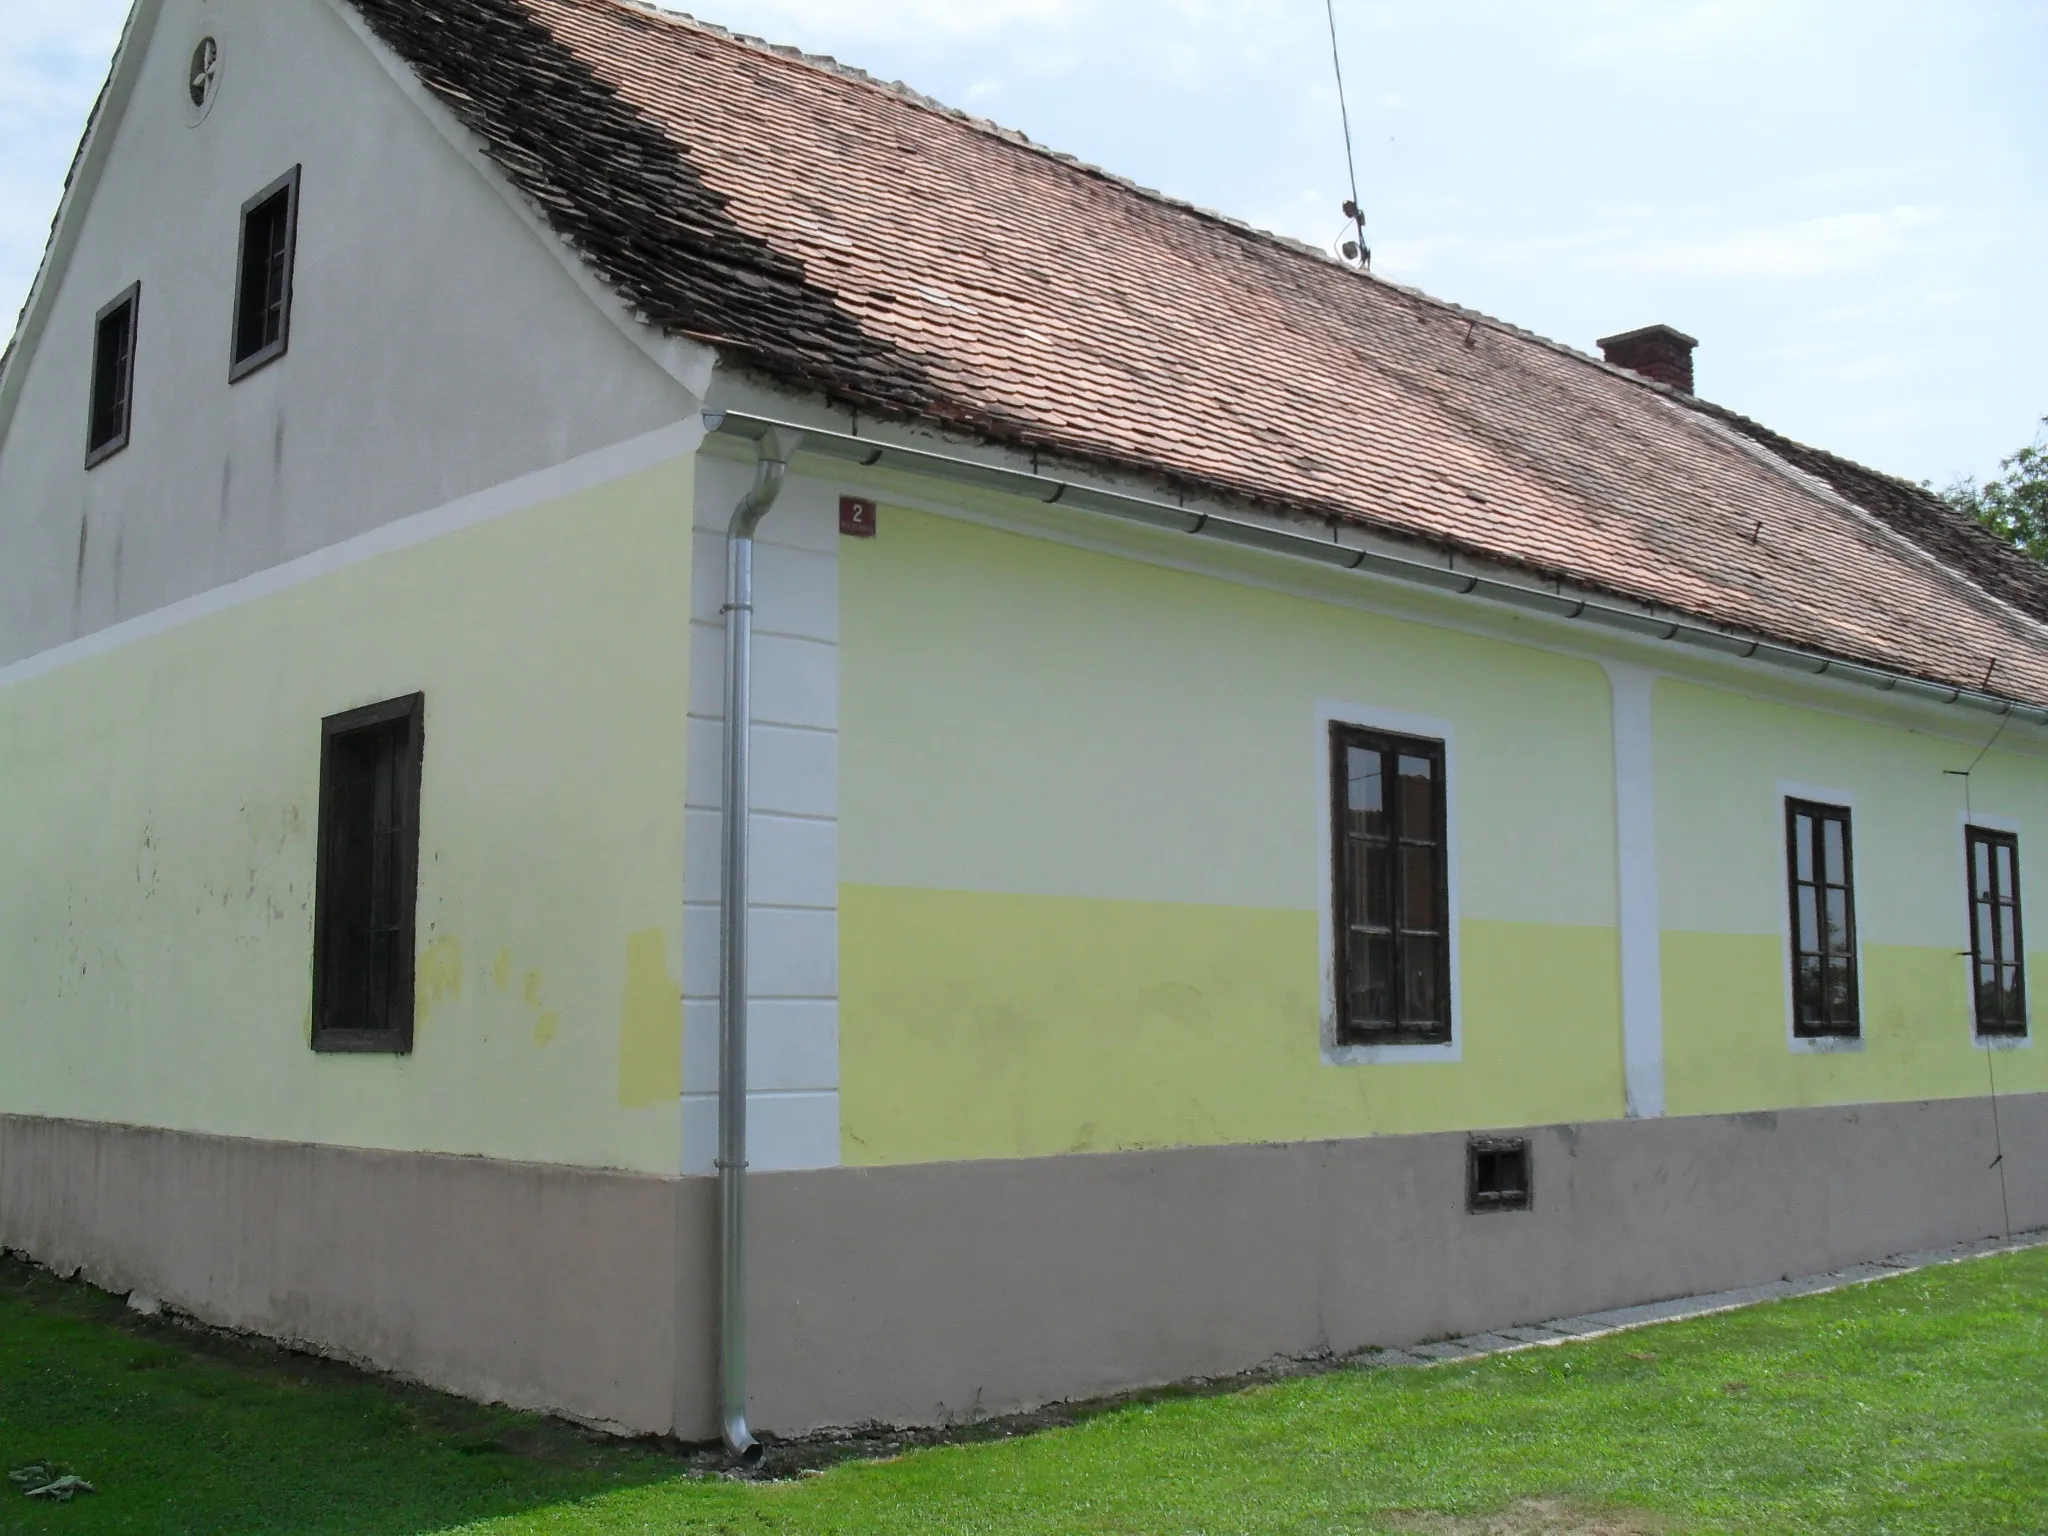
x=850 y=238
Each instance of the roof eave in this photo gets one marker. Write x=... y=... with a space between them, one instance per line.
x=1460 y=575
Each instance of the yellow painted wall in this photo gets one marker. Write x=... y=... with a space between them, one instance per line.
x=1721 y=758
x=157 y=813
x=1080 y=819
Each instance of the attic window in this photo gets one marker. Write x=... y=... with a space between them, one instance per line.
x=203 y=74
x=263 y=292
x=113 y=377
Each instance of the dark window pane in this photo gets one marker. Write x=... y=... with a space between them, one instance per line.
x=113 y=379
x=1841 y=1002
x=1368 y=788
x=1498 y=1176
x=368 y=857
x=264 y=283
x=1419 y=888
x=1996 y=935
x=1838 y=923
x=1378 y=905
x=1509 y=1175
x=1389 y=886
x=1823 y=920
x=1807 y=984
x=1807 y=940
x=1371 y=977
x=1421 y=1003
x=1418 y=797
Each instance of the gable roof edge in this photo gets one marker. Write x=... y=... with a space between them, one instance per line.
x=1237 y=228
x=1814 y=485
x=688 y=362
x=87 y=165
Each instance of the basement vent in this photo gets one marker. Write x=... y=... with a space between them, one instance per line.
x=1498 y=1175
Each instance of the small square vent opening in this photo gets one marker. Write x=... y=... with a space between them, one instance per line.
x=1498 y=1175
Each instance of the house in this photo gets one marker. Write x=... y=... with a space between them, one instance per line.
x=1280 y=815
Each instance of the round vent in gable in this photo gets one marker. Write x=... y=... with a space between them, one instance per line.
x=202 y=79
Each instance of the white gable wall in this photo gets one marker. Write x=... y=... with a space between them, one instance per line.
x=437 y=346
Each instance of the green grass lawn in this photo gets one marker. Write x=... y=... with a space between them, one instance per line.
x=1917 y=1404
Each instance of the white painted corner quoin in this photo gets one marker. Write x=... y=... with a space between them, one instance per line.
x=1635 y=843
x=793 y=910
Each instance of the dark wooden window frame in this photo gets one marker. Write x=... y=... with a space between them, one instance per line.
x=1348 y=1032
x=334 y=1029
x=247 y=354
x=2007 y=1019
x=1488 y=1161
x=1829 y=1020
x=99 y=446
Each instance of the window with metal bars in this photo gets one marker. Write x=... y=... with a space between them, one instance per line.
x=113 y=377
x=1820 y=870
x=1393 y=961
x=1998 y=966
x=368 y=877
x=263 y=288
x=1497 y=1175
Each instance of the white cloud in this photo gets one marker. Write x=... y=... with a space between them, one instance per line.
x=53 y=56
x=1829 y=246
x=1608 y=31
x=807 y=22
x=1640 y=241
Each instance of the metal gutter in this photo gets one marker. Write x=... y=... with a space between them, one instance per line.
x=1554 y=600
x=776 y=448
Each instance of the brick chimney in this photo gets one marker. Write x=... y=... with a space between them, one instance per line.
x=1656 y=352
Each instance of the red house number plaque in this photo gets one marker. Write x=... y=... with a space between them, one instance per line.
x=856 y=517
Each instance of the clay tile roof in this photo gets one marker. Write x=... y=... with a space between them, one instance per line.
x=855 y=240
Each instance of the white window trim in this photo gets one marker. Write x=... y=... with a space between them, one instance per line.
x=1820 y=795
x=2025 y=1042
x=1329 y=713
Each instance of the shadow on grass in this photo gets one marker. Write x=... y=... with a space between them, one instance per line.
x=185 y=1429
x=1913 y=1404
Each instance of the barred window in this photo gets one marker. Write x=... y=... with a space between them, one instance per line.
x=113 y=377
x=1997 y=955
x=1393 y=961
x=368 y=877
x=1820 y=872
x=263 y=288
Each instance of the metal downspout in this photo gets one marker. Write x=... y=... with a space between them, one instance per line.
x=776 y=450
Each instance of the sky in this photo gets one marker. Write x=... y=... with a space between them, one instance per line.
x=1846 y=201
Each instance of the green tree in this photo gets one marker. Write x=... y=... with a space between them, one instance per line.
x=2014 y=504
